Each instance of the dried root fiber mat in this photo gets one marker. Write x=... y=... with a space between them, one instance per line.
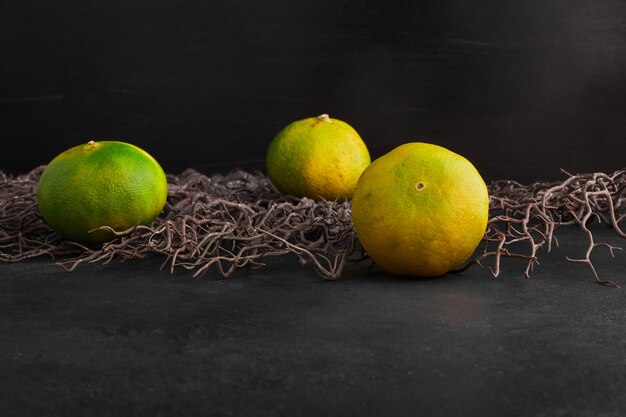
x=225 y=222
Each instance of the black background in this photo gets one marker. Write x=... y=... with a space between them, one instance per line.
x=521 y=88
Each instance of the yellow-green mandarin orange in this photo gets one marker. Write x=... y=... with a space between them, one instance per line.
x=317 y=157
x=420 y=210
x=99 y=184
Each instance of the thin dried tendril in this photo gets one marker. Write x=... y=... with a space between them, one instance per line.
x=528 y=215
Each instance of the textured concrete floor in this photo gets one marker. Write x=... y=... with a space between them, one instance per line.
x=127 y=340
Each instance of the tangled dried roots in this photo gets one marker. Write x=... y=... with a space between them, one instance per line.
x=530 y=214
x=228 y=221
x=239 y=219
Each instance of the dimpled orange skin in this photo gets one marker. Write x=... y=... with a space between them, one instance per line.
x=106 y=183
x=318 y=157
x=420 y=210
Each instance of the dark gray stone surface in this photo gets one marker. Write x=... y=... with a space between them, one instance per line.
x=124 y=339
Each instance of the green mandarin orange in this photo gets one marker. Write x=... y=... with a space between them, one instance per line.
x=317 y=157
x=97 y=184
x=420 y=210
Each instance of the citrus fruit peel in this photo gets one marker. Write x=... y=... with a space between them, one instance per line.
x=318 y=157
x=98 y=184
x=420 y=210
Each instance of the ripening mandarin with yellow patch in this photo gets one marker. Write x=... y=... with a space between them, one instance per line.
x=420 y=210
x=318 y=157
